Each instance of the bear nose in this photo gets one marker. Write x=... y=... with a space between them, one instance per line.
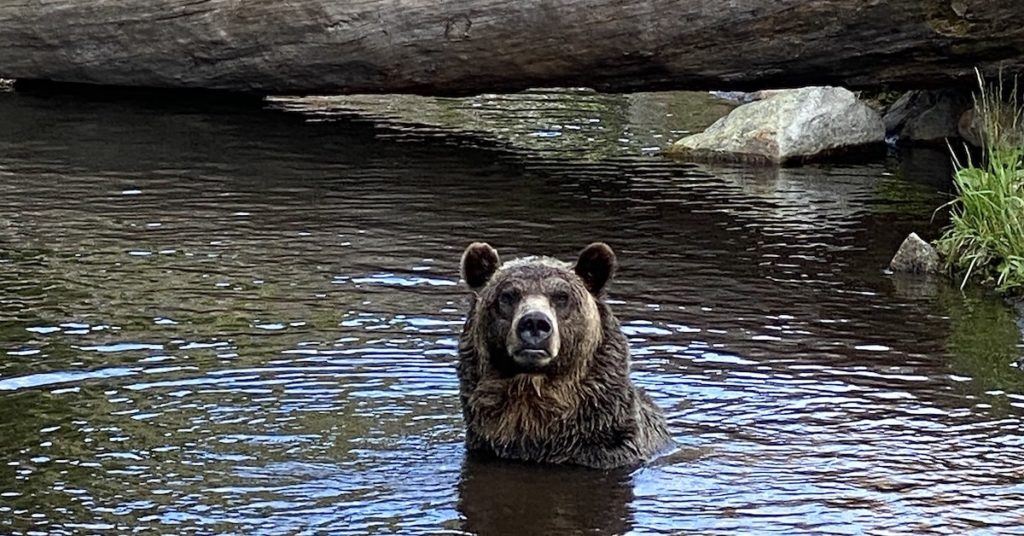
x=534 y=330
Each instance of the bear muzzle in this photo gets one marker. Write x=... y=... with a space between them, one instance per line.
x=534 y=339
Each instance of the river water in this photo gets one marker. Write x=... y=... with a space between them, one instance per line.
x=237 y=317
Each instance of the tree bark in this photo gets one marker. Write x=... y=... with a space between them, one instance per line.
x=460 y=47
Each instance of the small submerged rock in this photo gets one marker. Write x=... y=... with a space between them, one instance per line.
x=916 y=256
x=788 y=126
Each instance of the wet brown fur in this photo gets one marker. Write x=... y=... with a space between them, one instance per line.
x=582 y=408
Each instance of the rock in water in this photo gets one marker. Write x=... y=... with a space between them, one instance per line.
x=916 y=256
x=970 y=127
x=927 y=116
x=787 y=126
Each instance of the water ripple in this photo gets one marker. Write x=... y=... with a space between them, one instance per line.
x=221 y=319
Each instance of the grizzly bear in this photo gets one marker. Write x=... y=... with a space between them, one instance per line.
x=544 y=366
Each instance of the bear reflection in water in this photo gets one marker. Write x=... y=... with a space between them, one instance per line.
x=544 y=365
x=504 y=497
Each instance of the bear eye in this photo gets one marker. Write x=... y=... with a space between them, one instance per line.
x=560 y=298
x=508 y=297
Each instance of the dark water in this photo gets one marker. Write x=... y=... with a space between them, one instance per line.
x=221 y=319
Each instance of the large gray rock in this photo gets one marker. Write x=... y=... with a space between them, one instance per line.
x=916 y=256
x=926 y=116
x=790 y=125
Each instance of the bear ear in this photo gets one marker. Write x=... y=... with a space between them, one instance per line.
x=479 y=262
x=596 y=266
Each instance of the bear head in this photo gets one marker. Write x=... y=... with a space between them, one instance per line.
x=536 y=315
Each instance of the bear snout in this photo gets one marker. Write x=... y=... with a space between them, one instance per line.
x=533 y=341
x=534 y=329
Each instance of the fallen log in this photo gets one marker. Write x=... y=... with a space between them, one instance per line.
x=461 y=47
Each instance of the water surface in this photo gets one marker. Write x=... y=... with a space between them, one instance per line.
x=224 y=318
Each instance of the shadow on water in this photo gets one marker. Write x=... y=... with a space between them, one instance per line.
x=218 y=318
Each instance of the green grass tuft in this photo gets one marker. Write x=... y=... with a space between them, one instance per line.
x=985 y=240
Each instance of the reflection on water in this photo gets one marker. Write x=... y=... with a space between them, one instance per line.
x=579 y=124
x=498 y=497
x=222 y=319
